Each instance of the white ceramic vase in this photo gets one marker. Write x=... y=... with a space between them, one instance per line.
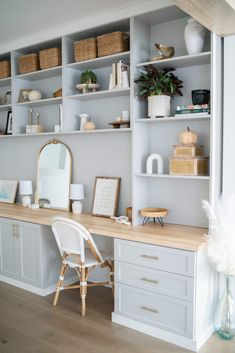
x=158 y=106
x=194 y=36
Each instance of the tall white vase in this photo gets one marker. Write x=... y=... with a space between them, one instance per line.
x=194 y=36
x=158 y=106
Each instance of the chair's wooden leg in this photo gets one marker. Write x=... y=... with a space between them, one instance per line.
x=59 y=284
x=83 y=290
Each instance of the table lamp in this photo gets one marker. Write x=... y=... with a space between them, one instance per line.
x=77 y=194
x=26 y=190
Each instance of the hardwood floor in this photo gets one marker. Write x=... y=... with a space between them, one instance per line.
x=30 y=324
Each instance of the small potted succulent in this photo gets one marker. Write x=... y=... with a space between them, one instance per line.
x=158 y=86
x=88 y=82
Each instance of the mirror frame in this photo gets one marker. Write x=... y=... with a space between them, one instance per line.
x=54 y=141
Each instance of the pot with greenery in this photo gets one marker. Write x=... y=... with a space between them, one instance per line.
x=158 y=86
x=88 y=82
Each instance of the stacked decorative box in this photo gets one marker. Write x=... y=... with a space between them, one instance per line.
x=188 y=159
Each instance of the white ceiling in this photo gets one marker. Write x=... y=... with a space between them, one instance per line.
x=24 y=18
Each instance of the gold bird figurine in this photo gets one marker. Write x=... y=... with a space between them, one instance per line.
x=165 y=52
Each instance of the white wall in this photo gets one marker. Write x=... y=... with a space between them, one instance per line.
x=93 y=155
x=229 y=117
x=27 y=22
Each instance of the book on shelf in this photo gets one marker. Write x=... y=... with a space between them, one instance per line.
x=192 y=106
x=119 y=76
x=190 y=115
x=192 y=111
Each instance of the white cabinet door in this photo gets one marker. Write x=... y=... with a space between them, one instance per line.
x=28 y=236
x=9 y=259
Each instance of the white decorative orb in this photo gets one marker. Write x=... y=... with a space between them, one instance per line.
x=35 y=95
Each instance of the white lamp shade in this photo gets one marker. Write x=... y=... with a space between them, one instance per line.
x=26 y=187
x=76 y=192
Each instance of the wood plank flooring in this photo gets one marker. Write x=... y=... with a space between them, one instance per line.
x=30 y=324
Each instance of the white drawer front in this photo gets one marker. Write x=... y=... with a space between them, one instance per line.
x=156 y=257
x=172 y=315
x=154 y=280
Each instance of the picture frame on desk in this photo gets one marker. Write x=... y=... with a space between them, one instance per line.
x=9 y=129
x=8 y=190
x=24 y=95
x=106 y=196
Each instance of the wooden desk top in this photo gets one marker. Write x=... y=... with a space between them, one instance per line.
x=174 y=236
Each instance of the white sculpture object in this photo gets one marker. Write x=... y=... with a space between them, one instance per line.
x=149 y=163
x=194 y=35
x=34 y=95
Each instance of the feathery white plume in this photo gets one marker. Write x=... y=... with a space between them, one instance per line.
x=221 y=236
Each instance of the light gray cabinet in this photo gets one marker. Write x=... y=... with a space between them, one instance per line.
x=9 y=258
x=167 y=293
x=20 y=251
x=29 y=251
x=29 y=257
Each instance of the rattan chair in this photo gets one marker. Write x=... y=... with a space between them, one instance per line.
x=71 y=238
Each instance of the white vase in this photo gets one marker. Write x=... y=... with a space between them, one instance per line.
x=158 y=106
x=194 y=36
x=77 y=207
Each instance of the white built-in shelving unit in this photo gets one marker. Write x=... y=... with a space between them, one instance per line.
x=181 y=195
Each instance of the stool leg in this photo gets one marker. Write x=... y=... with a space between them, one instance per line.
x=83 y=290
x=60 y=282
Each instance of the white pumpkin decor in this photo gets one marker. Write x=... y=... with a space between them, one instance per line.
x=188 y=137
x=34 y=95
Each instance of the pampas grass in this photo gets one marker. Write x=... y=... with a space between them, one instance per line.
x=221 y=236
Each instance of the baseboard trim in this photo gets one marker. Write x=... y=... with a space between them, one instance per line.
x=183 y=342
x=202 y=340
x=36 y=290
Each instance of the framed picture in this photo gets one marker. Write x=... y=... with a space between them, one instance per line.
x=24 y=95
x=106 y=194
x=8 y=130
x=8 y=190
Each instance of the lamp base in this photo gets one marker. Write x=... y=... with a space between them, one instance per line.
x=77 y=207
x=26 y=201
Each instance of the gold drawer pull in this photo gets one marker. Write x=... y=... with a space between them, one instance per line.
x=149 y=280
x=149 y=257
x=155 y=311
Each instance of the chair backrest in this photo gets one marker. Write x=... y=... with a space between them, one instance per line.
x=71 y=237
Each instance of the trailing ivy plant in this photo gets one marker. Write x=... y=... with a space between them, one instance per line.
x=154 y=82
x=88 y=77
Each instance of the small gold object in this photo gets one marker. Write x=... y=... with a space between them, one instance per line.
x=165 y=52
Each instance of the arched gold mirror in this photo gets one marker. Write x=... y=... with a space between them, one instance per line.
x=54 y=166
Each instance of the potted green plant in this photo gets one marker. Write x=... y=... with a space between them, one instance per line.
x=158 y=86
x=88 y=81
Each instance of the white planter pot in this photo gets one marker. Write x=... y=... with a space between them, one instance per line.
x=194 y=36
x=158 y=106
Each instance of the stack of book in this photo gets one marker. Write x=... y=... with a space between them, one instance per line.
x=192 y=110
x=119 y=76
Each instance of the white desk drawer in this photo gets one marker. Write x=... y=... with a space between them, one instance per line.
x=172 y=315
x=155 y=257
x=154 y=280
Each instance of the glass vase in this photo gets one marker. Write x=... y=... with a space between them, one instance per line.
x=225 y=312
